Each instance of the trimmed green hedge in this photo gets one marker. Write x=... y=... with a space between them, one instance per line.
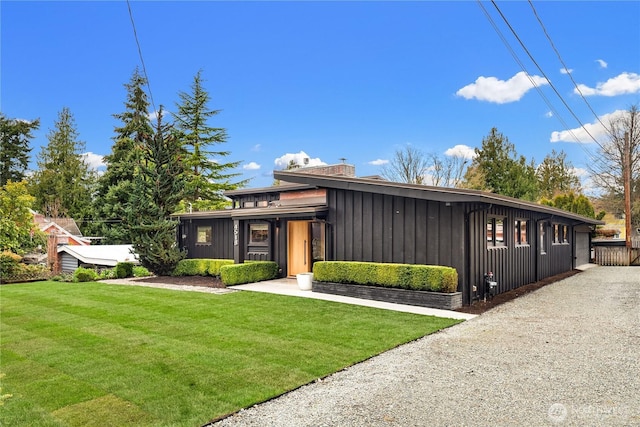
x=249 y=272
x=124 y=270
x=406 y=276
x=200 y=267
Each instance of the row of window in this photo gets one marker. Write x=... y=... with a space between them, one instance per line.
x=258 y=234
x=496 y=232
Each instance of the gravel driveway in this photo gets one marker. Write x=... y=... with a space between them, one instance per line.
x=567 y=354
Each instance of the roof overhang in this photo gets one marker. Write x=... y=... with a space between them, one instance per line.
x=440 y=194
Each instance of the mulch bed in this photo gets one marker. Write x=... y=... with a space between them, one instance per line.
x=479 y=307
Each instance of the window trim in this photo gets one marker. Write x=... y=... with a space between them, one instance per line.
x=259 y=226
x=208 y=230
x=492 y=224
x=518 y=226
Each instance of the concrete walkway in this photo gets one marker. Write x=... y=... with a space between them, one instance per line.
x=289 y=287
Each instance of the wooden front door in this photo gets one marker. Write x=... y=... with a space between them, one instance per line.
x=299 y=247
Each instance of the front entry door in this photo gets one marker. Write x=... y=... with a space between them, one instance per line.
x=299 y=247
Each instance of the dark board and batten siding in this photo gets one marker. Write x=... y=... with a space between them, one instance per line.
x=384 y=228
x=221 y=246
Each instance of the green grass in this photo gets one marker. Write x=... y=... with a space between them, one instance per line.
x=82 y=354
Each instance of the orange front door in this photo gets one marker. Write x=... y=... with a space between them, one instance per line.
x=299 y=247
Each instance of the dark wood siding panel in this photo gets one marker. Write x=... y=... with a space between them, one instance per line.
x=398 y=236
x=367 y=227
x=433 y=233
x=421 y=232
x=222 y=239
x=357 y=227
x=409 y=247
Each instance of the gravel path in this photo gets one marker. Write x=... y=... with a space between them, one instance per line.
x=567 y=354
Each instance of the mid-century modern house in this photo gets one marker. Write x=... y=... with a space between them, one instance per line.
x=326 y=213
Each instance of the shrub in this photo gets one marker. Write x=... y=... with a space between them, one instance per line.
x=249 y=272
x=8 y=263
x=140 y=271
x=406 y=276
x=124 y=269
x=63 y=277
x=200 y=267
x=107 y=273
x=82 y=274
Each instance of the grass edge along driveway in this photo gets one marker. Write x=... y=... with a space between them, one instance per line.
x=81 y=354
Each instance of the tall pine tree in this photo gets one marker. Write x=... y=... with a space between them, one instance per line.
x=116 y=185
x=207 y=176
x=63 y=183
x=158 y=188
x=15 y=136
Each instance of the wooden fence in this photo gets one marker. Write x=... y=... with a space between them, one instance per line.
x=616 y=255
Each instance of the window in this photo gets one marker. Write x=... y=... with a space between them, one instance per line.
x=262 y=203
x=556 y=233
x=258 y=234
x=565 y=233
x=541 y=232
x=250 y=204
x=520 y=232
x=495 y=232
x=203 y=236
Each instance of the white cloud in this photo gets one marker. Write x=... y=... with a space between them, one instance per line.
x=619 y=85
x=378 y=162
x=566 y=70
x=95 y=161
x=461 y=150
x=602 y=63
x=251 y=166
x=492 y=89
x=595 y=129
x=299 y=158
x=548 y=114
x=256 y=147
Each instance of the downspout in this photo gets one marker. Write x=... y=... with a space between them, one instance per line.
x=467 y=245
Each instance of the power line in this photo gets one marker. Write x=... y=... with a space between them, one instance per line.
x=566 y=69
x=144 y=68
x=543 y=73
x=524 y=68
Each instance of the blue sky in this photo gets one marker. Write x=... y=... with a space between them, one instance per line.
x=330 y=79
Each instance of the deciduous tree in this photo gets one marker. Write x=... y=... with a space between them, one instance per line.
x=409 y=165
x=18 y=232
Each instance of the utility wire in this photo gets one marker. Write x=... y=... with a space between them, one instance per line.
x=563 y=64
x=524 y=68
x=144 y=68
x=544 y=74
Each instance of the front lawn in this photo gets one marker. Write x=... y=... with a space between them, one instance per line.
x=82 y=354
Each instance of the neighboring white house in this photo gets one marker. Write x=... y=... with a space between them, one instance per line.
x=71 y=257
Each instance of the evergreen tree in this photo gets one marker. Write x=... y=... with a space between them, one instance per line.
x=207 y=176
x=116 y=185
x=158 y=188
x=15 y=136
x=63 y=182
x=556 y=176
x=498 y=168
x=571 y=202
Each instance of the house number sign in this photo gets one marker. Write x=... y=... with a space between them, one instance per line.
x=235 y=234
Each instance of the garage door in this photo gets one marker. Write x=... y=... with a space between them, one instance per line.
x=583 y=251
